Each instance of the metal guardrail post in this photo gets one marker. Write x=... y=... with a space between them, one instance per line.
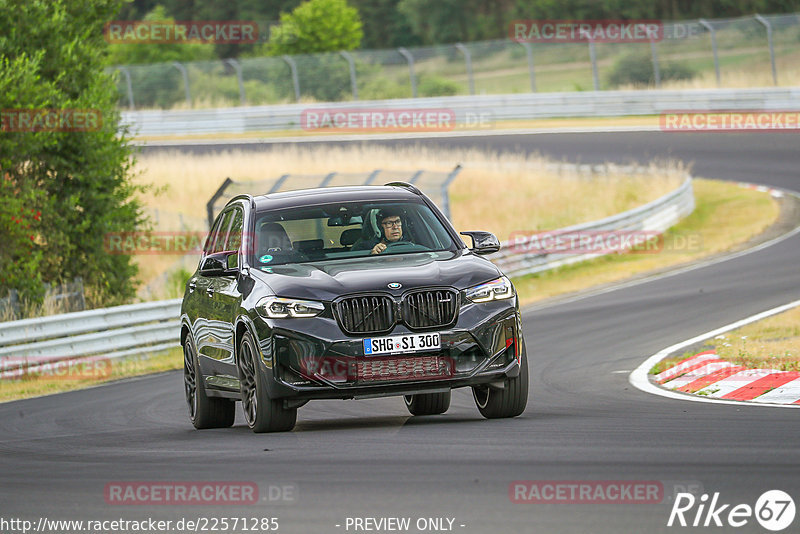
x=656 y=67
x=278 y=183
x=705 y=24
x=128 y=84
x=445 y=190
x=768 y=26
x=529 y=55
x=213 y=200
x=238 y=68
x=593 y=58
x=372 y=176
x=325 y=181
x=185 y=75
x=468 y=60
x=352 y=64
x=413 y=77
x=295 y=80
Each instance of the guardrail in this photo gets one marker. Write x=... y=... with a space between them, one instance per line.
x=476 y=110
x=109 y=333
x=656 y=216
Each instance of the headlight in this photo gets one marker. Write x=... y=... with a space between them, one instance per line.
x=281 y=308
x=495 y=290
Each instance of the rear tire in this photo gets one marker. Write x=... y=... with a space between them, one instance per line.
x=261 y=413
x=428 y=403
x=204 y=411
x=507 y=402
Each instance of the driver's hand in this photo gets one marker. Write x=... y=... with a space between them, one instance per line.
x=377 y=249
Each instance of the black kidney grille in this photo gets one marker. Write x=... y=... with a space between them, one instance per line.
x=430 y=308
x=365 y=314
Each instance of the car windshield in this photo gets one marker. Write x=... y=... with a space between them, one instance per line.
x=346 y=230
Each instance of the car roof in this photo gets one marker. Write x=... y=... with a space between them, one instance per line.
x=325 y=195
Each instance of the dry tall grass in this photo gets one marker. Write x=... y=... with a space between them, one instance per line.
x=501 y=193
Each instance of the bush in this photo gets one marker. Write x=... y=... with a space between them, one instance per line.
x=430 y=85
x=637 y=69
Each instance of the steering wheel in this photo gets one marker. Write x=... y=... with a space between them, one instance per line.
x=398 y=243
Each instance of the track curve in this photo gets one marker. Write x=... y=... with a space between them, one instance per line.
x=368 y=458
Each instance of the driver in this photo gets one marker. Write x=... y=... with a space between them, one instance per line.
x=391 y=226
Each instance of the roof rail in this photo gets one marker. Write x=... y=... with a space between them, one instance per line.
x=405 y=185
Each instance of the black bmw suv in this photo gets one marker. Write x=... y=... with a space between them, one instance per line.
x=343 y=293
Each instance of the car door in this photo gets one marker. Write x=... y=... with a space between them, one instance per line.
x=225 y=299
x=206 y=327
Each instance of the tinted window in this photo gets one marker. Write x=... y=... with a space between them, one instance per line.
x=208 y=248
x=234 y=240
x=222 y=234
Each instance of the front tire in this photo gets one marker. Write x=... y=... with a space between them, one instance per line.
x=261 y=413
x=507 y=402
x=204 y=411
x=427 y=403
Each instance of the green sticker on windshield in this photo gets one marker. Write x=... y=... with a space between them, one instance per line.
x=266 y=258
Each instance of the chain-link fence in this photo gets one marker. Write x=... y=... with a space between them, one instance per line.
x=741 y=52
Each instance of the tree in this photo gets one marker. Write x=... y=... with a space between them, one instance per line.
x=317 y=26
x=69 y=188
x=145 y=53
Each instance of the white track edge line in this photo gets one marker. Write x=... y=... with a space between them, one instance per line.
x=638 y=378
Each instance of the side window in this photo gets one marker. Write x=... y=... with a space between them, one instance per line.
x=208 y=248
x=234 y=241
x=222 y=234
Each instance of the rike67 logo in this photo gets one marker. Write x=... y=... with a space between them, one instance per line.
x=774 y=510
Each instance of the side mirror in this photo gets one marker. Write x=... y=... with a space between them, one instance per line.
x=483 y=242
x=220 y=264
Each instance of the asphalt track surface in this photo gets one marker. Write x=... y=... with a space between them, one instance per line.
x=368 y=458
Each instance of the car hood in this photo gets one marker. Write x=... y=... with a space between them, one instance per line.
x=330 y=279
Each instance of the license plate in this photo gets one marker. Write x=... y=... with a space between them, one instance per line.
x=398 y=344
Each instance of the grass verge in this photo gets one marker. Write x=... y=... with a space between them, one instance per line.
x=771 y=343
x=725 y=215
x=59 y=382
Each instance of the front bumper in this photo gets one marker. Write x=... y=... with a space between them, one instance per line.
x=315 y=360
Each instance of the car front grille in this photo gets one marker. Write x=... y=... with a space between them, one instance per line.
x=430 y=308
x=365 y=314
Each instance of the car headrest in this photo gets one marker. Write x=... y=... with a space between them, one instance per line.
x=273 y=238
x=349 y=237
x=370 y=230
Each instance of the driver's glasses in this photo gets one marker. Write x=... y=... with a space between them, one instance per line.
x=389 y=224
